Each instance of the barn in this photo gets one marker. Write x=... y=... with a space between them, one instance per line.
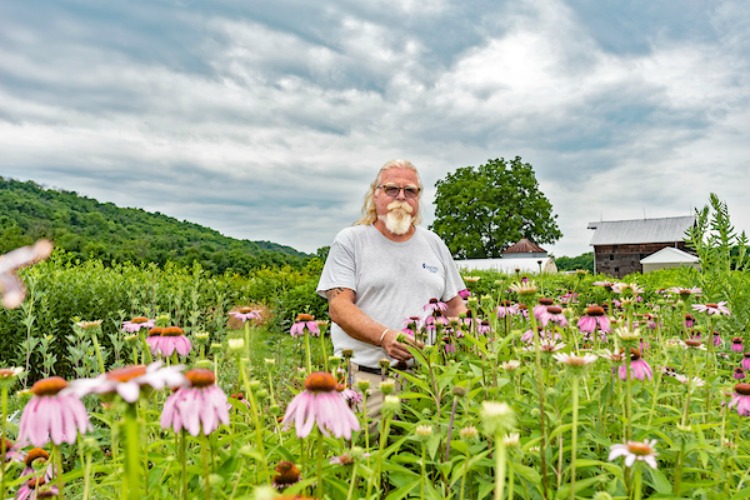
x=620 y=245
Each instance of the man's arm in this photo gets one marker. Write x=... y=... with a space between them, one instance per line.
x=456 y=306
x=358 y=325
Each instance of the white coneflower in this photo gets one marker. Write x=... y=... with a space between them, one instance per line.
x=512 y=440
x=469 y=433
x=511 y=365
x=423 y=431
x=237 y=344
x=574 y=362
x=523 y=288
x=633 y=451
x=628 y=334
x=497 y=418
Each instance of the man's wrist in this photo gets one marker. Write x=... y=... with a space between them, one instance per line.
x=382 y=336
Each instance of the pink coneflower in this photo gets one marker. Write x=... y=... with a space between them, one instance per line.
x=720 y=308
x=689 y=320
x=320 y=403
x=42 y=456
x=685 y=293
x=627 y=289
x=55 y=413
x=172 y=340
x=737 y=344
x=594 y=319
x=639 y=369
x=569 y=298
x=464 y=294
x=287 y=474
x=435 y=305
x=507 y=308
x=746 y=361
x=717 y=339
x=351 y=396
x=541 y=307
x=135 y=324
x=650 y=321
x=739 y=374
x=550 y=345
x=693 y=344
x=245 y=314
x=153 y=339
x=36 y=488
x=127 y=381
x=13 y=452
x=200 y=404
x=11 y=288
x=607 y=285
x=633 y=451
x=304 y=322
x=431 y=322
x=553 y=314
x=614 y=355
x=484 y=327
x=741 y=399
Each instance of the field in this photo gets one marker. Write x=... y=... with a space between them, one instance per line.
x=139 y=381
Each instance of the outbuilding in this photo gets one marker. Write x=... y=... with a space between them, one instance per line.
x=669 y=257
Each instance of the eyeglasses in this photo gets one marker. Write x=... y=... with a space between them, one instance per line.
x=392 y=190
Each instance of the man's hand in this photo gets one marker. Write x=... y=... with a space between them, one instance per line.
x=398 y=349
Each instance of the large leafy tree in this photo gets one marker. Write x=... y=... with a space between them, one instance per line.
x=479 y=211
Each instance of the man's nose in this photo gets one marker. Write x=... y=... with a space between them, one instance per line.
x=401 y=194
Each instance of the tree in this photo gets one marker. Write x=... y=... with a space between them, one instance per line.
x=479 y=211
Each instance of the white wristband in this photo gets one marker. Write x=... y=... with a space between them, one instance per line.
x=382 y=336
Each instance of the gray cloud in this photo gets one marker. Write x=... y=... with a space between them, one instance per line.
x=267 y=120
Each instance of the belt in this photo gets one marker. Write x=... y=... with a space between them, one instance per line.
x=368 y=369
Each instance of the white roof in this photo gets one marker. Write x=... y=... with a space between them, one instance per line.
x=669 y=255
x=509 y=266
x=623 y=232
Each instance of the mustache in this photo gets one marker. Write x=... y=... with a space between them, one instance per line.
x=400 y=204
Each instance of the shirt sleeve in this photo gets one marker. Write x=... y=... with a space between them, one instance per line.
x=340 y=269
x=453 y=281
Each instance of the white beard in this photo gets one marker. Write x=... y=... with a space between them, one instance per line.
x=398 y=220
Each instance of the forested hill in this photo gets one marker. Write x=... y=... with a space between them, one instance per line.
x=88 y=229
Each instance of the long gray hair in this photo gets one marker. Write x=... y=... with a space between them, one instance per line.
x=369 y=213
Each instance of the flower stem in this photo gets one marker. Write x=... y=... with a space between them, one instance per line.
x=542 y=415
x=500 y=456
x=132 y=480
x=307 y=352
x=319 y=464
x=183 y=460
x=206 y=468
x=98 y=351
x=574 y=440
x=423 y=480
x=4 y=403
x=58 y=472
x=323 y=349
x=256 y=420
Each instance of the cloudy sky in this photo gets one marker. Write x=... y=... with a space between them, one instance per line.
x=266 y=120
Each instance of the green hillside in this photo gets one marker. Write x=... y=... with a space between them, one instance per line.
x=87 y=229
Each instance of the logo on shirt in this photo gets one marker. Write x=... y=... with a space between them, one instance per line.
x=432 y=269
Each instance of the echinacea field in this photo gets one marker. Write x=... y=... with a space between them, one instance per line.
x=144 y=382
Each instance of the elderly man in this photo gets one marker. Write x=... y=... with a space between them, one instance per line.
x=384 y=269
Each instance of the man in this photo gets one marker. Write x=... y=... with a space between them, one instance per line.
x=384 y=269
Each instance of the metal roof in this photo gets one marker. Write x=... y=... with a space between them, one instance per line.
x=624 y=232
x=669 y=255
x=524 y=246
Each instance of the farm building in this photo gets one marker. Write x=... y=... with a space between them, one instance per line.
x=522 y=257
x=619 y=246
x=669 y=257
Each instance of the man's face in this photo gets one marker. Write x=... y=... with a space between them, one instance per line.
x=397 y=204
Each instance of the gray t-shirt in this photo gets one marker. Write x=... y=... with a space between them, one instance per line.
x=392 y=281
